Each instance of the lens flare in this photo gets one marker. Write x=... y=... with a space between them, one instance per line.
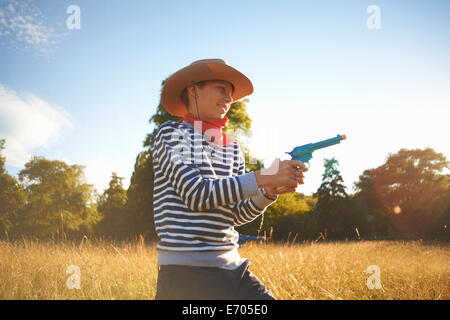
x=397 y=210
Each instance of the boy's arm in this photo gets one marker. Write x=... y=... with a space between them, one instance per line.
x=198 y=193
x=249 y=209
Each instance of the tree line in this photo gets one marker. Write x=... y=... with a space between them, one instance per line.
x=407 y=197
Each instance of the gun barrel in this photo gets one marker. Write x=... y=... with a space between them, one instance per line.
x=304 y=153
x=329 y=142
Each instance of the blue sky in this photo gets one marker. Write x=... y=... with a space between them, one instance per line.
x=85 y=95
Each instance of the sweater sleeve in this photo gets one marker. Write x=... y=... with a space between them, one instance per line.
x=247 y=210
x=173 y=152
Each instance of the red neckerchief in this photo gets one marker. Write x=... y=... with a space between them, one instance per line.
x=214 y=127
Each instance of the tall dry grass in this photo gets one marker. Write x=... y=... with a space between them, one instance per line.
x=31 y=269
x=408 y=270
x=37 y=270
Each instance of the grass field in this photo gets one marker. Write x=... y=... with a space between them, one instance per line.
x=326 y=270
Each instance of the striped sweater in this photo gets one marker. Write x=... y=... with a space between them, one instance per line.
x=201 y=191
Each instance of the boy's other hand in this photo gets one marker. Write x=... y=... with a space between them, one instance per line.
x=272 y=191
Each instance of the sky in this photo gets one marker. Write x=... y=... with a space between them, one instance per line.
x=79 y=80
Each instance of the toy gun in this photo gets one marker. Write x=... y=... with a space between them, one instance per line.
x=304 y=153
x=243 y=238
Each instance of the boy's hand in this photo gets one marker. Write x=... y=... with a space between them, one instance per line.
x=287 y=174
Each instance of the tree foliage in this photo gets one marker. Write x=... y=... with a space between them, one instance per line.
x=12 y=197
x=111 y=206
x=412 y=190
x=58 y=198
x=333 y=208
x=373 y=218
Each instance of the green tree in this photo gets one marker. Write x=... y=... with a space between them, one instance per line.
x=333 y=209
x=12 y=197
x=289 y=215
x=111 y=206
x=58 y=198
x=374 y=221
x=412 y=190
x=139 y=206
x=239 y=128
x=440 y=230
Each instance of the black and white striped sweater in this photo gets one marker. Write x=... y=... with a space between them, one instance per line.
x=201 y=191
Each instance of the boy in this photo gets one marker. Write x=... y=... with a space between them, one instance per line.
x=201 y=190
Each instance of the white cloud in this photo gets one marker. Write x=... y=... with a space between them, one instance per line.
x=23 y=26
x=28 y=122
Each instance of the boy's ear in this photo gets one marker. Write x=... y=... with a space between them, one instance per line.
x=192 y=90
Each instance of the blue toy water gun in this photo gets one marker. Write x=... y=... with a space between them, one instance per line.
x=304 y=153
x=243 y=238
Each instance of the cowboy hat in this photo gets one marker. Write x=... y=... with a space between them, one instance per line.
x=201 y=70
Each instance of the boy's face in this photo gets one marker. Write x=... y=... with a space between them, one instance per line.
x=214 y=99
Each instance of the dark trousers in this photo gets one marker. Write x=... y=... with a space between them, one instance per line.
x=177 y=282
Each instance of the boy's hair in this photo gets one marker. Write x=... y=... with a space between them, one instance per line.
x=201 y=84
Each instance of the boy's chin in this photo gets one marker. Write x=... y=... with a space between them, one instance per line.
x=217 y=116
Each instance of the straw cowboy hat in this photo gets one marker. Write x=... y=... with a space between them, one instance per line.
x=201 y=70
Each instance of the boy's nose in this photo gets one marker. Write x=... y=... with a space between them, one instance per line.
x=228 y=98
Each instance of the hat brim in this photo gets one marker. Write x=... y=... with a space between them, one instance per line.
x=171 y=92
